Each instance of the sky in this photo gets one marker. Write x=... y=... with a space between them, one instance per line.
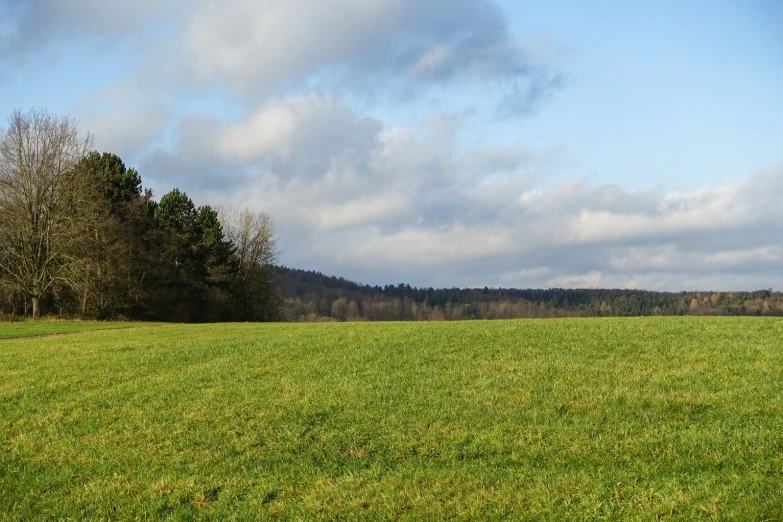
x=462 y=143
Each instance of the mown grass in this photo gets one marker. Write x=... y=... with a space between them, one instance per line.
x=14 y=330
x=619 y=419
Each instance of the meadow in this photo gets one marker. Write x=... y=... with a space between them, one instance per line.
x=20 y=329
x=677 y=418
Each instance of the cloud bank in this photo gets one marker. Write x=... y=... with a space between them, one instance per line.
x=352 y=196
x=279 y=105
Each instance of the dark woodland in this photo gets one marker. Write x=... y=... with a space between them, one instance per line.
x=80 y=237
x=312 y=296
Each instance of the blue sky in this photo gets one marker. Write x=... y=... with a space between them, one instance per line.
x=621 y=144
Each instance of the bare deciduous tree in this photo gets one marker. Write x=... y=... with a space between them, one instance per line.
x=253 y=237
x=252 y=234
x=38 y=153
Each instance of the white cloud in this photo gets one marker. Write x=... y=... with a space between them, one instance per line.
x=354 y=194
x=256 y=48
x=296 y=132
x=361 y=211
x=350 y=195
x=592 y=279
x=670 y=249
x=772 y=254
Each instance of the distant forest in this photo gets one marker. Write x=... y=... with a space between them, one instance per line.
x=312 y=296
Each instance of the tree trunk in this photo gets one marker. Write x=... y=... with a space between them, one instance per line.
x=36 y=308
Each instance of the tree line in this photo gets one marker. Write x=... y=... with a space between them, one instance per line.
x=312 y=296
x=81 y=237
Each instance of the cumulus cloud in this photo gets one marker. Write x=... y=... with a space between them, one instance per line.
x=353 y=196
x=255 y=50
x=367 y=197
x=258 y=46
x=303 y=135
x=26 y=26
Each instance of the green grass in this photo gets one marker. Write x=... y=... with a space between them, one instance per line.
x=618 y=419
x=40 y=328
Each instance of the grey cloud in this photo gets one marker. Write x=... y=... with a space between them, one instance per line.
x=311 y=144
x=30 y=25
x=256 y=48
x=403 y=203
x=386 y=205
x=551 y=250
x=124 y=121
x=163 y=170
x=530 y=93
x=302 y=136
x=326 y=154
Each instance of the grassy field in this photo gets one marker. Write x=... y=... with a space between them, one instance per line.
x=40 y=328
x=619 y=419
